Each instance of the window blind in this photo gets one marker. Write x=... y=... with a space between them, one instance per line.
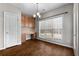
x=51 y=28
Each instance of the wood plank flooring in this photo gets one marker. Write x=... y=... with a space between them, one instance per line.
x=37 y=48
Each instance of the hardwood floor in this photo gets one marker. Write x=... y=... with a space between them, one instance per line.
x=37 y=48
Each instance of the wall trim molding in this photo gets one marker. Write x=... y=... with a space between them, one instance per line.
x=54 y=42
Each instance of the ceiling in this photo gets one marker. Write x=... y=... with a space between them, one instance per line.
x=31 y=8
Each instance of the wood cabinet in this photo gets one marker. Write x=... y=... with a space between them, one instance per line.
x=28 y=27
x=28 y=21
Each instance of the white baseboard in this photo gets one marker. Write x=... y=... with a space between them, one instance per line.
x=2 y=48
x=55 y=42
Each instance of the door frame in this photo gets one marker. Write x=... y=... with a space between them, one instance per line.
x=75 y=28
x=4 y=29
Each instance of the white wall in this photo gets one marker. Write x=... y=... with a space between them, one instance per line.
x=1 y=30
x=7 y=8
x=76 y=28
x=68 y=20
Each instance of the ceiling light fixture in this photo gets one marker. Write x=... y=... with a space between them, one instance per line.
x=34 y=15
x=37 y=12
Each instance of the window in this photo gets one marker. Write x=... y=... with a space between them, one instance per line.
x=51 y=28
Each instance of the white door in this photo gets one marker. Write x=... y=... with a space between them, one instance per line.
x=10 y=29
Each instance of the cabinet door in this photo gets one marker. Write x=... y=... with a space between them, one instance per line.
x=26 y=21
x=22 y=21
x=31 y=22
x=10 y=29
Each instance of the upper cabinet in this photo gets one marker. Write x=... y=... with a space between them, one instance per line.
x=28 y=24
x=31 y=22
x=28 y=21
